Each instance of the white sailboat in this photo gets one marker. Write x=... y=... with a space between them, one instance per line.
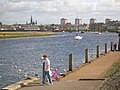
x=78 y=37
x=97 y=33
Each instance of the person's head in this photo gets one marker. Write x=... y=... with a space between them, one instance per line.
x=45 y=56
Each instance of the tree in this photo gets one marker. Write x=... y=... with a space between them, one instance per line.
x=1 y=23
x=41 y=27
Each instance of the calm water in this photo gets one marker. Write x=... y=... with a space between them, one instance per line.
x=22 y=55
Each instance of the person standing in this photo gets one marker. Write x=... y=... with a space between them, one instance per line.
x=47 y=70
x=115 y=46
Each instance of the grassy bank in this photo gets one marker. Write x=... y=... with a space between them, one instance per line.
x=113 y=77
x=113 y=70
x=24 y=34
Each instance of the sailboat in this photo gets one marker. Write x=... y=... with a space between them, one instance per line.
x=78 y=37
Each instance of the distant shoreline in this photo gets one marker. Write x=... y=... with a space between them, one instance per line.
x=4 y=35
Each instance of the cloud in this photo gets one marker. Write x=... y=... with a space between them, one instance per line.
x=46 y=11
x=111 y=8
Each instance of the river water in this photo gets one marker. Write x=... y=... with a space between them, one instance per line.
x=22 y=55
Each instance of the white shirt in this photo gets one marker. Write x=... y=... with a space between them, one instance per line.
x=47 y=62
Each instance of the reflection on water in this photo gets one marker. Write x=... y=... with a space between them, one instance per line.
x=21 y=56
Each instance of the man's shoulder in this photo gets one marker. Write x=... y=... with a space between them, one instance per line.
x=48 y=61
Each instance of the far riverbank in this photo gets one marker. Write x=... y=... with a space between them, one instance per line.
x=24 y=34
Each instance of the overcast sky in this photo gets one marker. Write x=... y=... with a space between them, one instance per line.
x=51 y=11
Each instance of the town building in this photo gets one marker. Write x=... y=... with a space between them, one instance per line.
x=92 y=21
x=7 y=27
x=113 y=26
x=78 y=21
x=63 y=21
x=31 y=22
x=109 y=25
x=107 y=20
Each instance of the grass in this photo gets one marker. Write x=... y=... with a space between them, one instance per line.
x=113 y=70
x=24 y=34
x=113 y=77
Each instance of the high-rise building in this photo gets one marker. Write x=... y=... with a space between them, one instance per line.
x=78 y=21
x=107 y=20
x=63 y=21
x=92 y=21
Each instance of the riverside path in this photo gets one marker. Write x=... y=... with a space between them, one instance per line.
x=85 y=78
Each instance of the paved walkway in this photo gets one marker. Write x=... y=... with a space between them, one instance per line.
x=64 y=85
x=90 y=71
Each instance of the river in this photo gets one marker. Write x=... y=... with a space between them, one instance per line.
x=22 y=55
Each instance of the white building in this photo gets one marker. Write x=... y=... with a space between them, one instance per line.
x=107 y=20
x=29 y=27
x=92 y=21
x=78 y=21
x=63 y=21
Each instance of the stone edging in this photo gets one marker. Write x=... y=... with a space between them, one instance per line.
x=20 y=84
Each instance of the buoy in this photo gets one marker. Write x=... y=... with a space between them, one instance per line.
x=64 y=70
x=61 y=60
x=15 y=66
x=20 y=70
x=25 y=75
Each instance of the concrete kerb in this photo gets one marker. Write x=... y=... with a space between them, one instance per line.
x=20 y=84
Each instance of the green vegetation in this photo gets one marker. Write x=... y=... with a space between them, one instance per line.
x=24 y=34
x=113 y=77
x=113 y=70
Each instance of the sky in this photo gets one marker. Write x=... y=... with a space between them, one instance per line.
x=51 y=11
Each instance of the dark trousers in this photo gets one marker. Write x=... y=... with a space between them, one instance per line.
x=48 y=76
